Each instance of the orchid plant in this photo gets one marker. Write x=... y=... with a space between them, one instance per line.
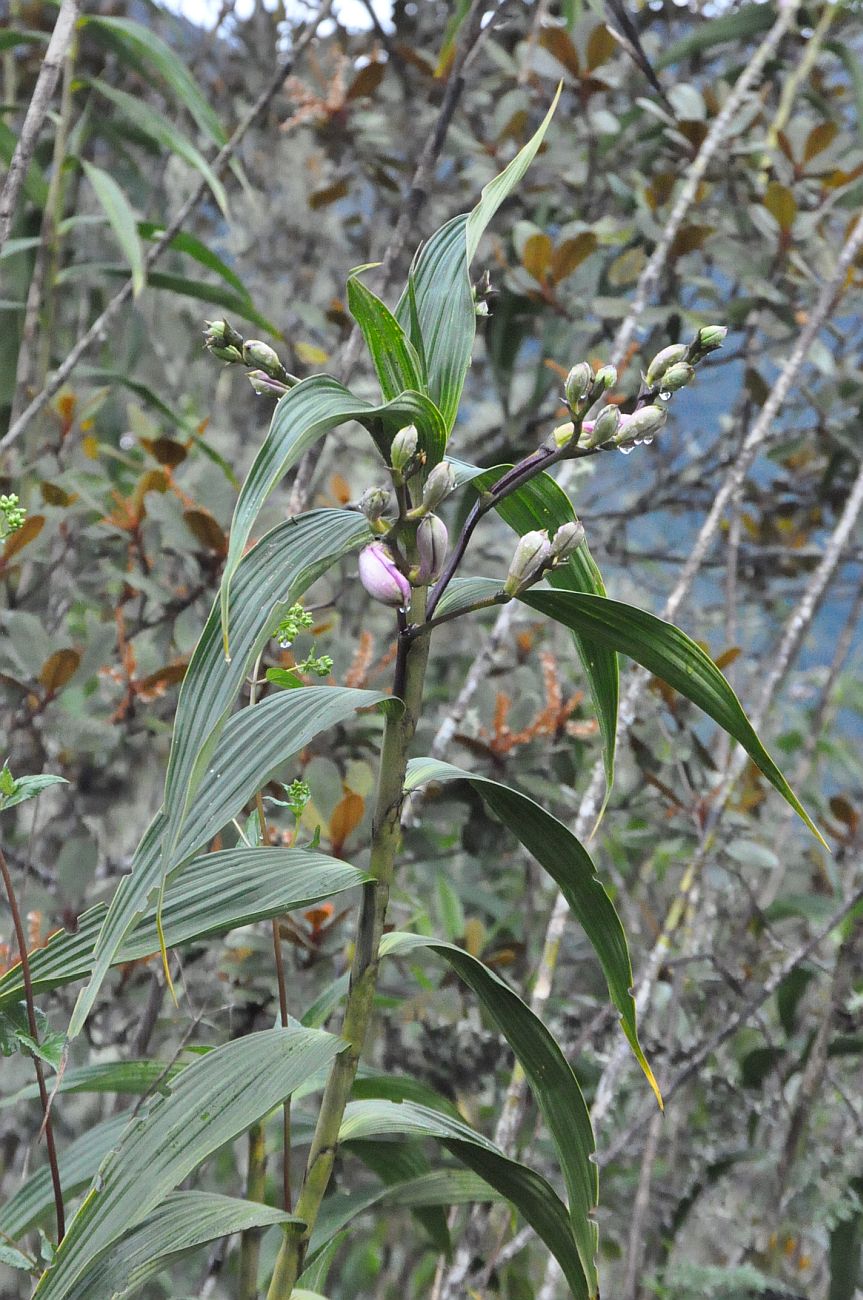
x=133 y=1219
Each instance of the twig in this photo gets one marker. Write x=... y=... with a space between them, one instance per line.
x=47 y=1123
x=98 y=329
x=639 y=1210
x=740 y=1017
x=46 y=83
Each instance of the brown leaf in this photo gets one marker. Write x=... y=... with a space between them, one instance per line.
x=347 y=815
x=819 y=139
x=560 y=47
x=53 y=495
x=689 y=239
x=58 y=668
x=154 y=685
x=23 y=536
x=727 y=657
x=366 y=81
x=536 y=256
x=571 y=253
x=167 y=451
x=329 y=194
x=781 y=204
x=601 y=45
x=206 y=529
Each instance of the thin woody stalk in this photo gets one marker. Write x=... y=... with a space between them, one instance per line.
x=386 y=840
x=21 y=940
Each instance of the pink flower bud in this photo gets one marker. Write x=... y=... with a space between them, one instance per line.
x=381 y=576
x=432 y=544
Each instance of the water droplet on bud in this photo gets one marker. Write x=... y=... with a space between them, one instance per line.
x=624 y=451
x=665 y=396
x=647 y=441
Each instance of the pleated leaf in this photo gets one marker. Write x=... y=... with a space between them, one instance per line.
x=554 y=1085
x=269 y=579
x=253 y=745
x=182 y=1224
x=437 y=309
x=133 y=1077
x=303 y=415
x=209 y=895
x=210 y=1103
x=395 y=358
x=529 y=1192
x=671 y=655
x=571 y=867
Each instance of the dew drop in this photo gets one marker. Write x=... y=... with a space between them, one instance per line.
x=665 y=397
x=647 y=441
x=624 y=451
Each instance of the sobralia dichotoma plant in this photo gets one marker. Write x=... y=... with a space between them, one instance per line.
x=133 y=1220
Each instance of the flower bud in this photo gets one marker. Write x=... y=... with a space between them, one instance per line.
x=567 y=540
x=603 y=428
x=677 y=376
x=262 y=357
x=223 y=341
x=661 y=362
x=562 y=435
x=531 y=556
x=641 y=426
x=404 y=449
x=374 y=502
x=711 y=337
x=440 y=482
x=381 y=576
x=606 y=377
x=264 y=385
x=578 y=383
x=432 y=544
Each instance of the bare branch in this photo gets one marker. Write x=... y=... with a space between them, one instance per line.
x=46 y=84
x=98 y=330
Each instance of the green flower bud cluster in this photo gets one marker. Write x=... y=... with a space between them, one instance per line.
x=223 y=341
x=299 y=795
x=295 y=621
x=267 y=375
x=317 y=665
x=536 y=552
x=12 y=515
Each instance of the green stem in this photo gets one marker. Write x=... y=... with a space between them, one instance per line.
x=386 y=840
x=256 y=1190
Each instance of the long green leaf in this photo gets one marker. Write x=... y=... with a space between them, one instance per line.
x=273 y=575
x=313 y=408
x=395 y=358
x=183 y=242
x=132 y=1077
x=438 y=310
x=121 y=219
x=210 y=1103
x=527 y=1191
x=252 y=746
x=671 y=655
x=209 y=895
x=143 y=45
x=554 y=1085
x=185 y=1222
x=184 y=287
x=33 y=1202
x=571 y=867
x=542 y=503
x=159 y=128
